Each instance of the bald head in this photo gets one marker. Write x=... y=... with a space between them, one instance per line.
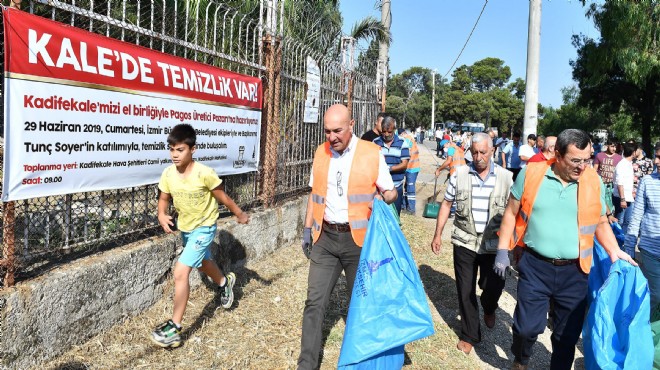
x=338 y=127
x=337 y=112
x=549 y=144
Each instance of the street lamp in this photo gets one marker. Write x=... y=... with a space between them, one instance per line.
x=433 y=100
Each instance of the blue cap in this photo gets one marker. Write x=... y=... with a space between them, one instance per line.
x=443 y=142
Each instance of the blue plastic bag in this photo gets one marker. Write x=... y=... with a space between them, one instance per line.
x=388 y=307
x=617 y=331
x=601 y=263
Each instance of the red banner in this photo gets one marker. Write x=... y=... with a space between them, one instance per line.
x=50 y=50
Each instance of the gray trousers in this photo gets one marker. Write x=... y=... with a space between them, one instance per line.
x=332 y=253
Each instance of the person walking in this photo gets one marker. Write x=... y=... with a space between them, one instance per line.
x=510 y=155
x=644 y=227
x=528 y=150
x=480 y=191
x=397 y=156
x=347 y=173
x=438 y=139
x=375 y=131
x=195 y=190
x=412 y=171
x=624 y=177
x=455 y=158
x=642 y=166
x=547 y=150
x=604 y=164
x=555 y=210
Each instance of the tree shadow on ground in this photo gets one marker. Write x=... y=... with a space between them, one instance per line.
x=441 y=289
x=73 y=365
x=230 y=257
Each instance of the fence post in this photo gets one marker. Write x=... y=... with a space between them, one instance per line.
x=348 y=64
x=272 y=51
x=8 y=242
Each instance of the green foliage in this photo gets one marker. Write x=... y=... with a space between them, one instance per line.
x=409 y=96
x=489 y=73
x=482 y=93
x=619 y=74
x=367 y=61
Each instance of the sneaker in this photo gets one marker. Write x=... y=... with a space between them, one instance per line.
x=226 y=293
x=167 y=335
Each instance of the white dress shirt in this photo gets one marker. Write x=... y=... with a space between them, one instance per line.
x=336 y=199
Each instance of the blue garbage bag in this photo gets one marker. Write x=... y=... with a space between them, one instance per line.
x=601 y=263
x=388 y=307
x=617 y=331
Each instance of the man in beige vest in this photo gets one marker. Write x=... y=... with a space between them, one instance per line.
x=480 y=191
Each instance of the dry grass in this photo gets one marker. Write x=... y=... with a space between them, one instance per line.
x=262 y=330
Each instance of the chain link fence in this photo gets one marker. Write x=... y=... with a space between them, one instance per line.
x=45 y=232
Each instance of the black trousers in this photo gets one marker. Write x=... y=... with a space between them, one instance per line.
x=332 y=253
x=466 y=265
x=538 y=282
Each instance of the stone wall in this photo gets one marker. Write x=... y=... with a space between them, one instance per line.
x=43 y=317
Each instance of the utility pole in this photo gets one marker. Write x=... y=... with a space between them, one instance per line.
x=383 y=50
x=532 y=78
x=433 y=101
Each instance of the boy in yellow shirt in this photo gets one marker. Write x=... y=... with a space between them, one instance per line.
x=195 y=190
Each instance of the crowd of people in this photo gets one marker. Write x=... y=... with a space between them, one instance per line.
x=552 y=183
x=510 y=200
x=505 y=195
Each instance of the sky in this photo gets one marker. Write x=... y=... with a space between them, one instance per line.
x=431 y=34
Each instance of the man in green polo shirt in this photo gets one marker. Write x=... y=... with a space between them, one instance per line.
x=550 y=266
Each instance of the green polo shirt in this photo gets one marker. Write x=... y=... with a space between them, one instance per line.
x=552 y=230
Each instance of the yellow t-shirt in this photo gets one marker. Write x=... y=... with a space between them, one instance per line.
x=192 y=195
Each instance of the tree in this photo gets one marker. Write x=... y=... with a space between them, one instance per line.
x=489 y=73
x=517 y=88
x=620 y=72
x=479 y=93
x=410 y=95
x=366 y=61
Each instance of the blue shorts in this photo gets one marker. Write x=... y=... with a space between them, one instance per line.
x=196 y=246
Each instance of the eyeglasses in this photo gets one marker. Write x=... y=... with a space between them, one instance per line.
x=577 y=162
x=340 y=190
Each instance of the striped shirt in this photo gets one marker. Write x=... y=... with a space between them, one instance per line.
x=481 y=190
x=645 y=219
x=397 y=152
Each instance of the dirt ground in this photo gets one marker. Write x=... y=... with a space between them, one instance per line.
x=262 y=330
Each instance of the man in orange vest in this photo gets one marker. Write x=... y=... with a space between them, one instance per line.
x=455 y=157
x=554 y=211
x=347 y=174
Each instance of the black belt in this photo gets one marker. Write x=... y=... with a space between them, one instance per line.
x=554 y=261
x=342 y=228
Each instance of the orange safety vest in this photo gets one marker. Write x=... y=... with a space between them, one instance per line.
x=414 y=153
x=589 y=208
x=361 y=187
x=458 y=159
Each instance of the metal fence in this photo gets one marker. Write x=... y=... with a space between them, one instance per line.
x=41 y=233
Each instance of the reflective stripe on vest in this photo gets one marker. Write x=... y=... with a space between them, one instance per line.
x=414 y=153
x=589 y=208
x=361 y=187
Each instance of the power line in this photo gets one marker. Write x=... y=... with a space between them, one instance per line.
x=468 y=39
